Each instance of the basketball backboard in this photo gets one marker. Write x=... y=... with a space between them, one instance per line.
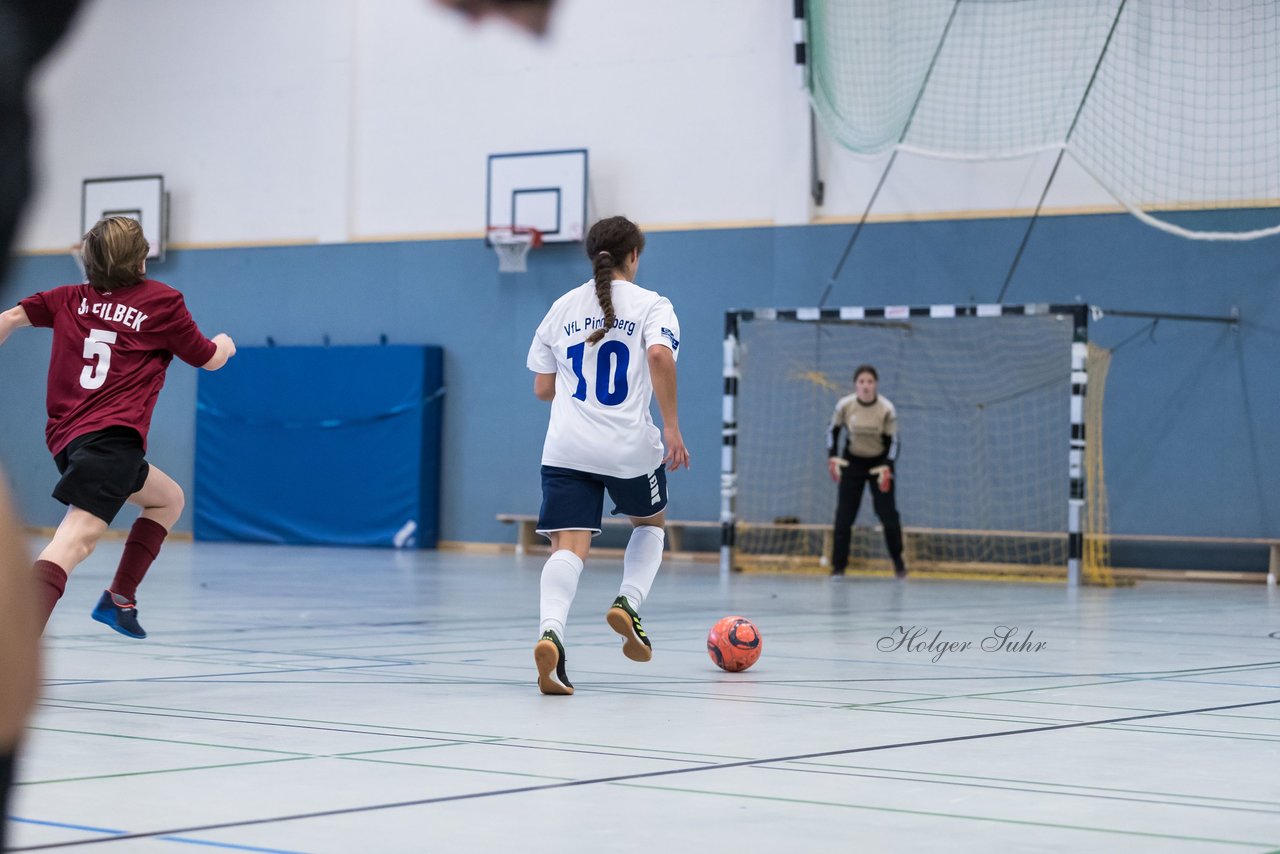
x=546 y=190
x=140 y=197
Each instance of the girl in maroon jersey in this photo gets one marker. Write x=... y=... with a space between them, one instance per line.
x=113 y=339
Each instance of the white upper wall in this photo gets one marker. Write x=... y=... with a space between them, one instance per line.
x=336 y=120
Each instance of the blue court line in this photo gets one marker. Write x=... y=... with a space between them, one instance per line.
x=109 y=832
x=229 y=845
x=66 y=826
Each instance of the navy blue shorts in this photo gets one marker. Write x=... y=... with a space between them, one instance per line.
x=574 y=500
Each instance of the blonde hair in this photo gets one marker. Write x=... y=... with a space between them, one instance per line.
x=115 y=253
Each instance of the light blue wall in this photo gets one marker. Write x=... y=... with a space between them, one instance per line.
x=1192 y=414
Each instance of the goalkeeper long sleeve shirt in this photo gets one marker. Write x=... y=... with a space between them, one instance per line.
x=871 y=429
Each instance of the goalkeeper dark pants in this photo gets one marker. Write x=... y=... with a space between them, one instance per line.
x=856 y=477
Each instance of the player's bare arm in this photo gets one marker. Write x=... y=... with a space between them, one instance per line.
x=544 y=386
x=226 y=349
x=662 y=370
x=14 y=318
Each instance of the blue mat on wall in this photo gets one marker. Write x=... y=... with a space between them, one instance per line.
x=321 y=445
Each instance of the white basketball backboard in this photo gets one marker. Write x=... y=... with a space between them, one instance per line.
x=139 y=197
x=546 y=190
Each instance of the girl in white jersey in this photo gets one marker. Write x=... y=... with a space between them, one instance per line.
x=602 y=352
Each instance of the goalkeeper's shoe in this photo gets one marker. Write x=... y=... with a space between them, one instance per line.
x=548 y=654
x=623 y=619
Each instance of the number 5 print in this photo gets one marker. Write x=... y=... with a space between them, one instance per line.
x=97 y=346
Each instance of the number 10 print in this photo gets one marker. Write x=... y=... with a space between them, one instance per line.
x=612 y=360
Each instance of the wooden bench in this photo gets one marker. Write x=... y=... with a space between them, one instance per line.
x=527 y=538
x=1273 y=547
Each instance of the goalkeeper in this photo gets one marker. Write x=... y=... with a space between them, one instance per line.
x=870 y=423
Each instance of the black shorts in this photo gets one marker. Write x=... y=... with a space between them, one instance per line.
x=573 y=500
x=100 y=470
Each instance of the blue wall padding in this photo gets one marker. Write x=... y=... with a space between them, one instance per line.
x=321 y=445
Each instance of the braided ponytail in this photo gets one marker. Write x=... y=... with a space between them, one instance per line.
x=602 y=263
x=609 y=241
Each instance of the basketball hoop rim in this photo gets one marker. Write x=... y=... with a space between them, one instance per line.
x=511 y=234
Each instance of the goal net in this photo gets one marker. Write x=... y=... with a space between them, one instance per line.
x=996 y=406
x=1168 y=104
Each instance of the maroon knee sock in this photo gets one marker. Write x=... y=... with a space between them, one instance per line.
x=145 y=538
x=52 y=580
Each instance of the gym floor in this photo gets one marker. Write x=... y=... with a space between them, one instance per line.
x=334 y=700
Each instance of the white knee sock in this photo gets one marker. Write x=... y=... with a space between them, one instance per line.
x=559 y=584
x=641 y=562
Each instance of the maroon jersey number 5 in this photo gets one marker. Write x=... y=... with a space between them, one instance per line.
x=110 y=354
x=97 y=348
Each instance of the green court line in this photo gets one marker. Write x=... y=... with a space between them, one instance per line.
x=1186 y=733
x=1186 y=675
x=979 y=716
x=642 y=752
x=414 y=680
x=1027 y=789
x=457 y=768
x=646 y=690
x=518 y=741
x=88 y=705
x=1035 y=783
x=1001 y=696
x=164 y=771
x=965 y=716
x=1102 y=706
x=1130 y=709
x=1170 y=730
x=984 y=694
x=928 y=814
x=291 y=757
x=1253 y=686
x=684 y=695
x=465 y=738
x=869 y=707
x=1240 y=717
x=636 y=750
x=170 y=741
x=358 y=753
x=673 y=695
x=1197 y=731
